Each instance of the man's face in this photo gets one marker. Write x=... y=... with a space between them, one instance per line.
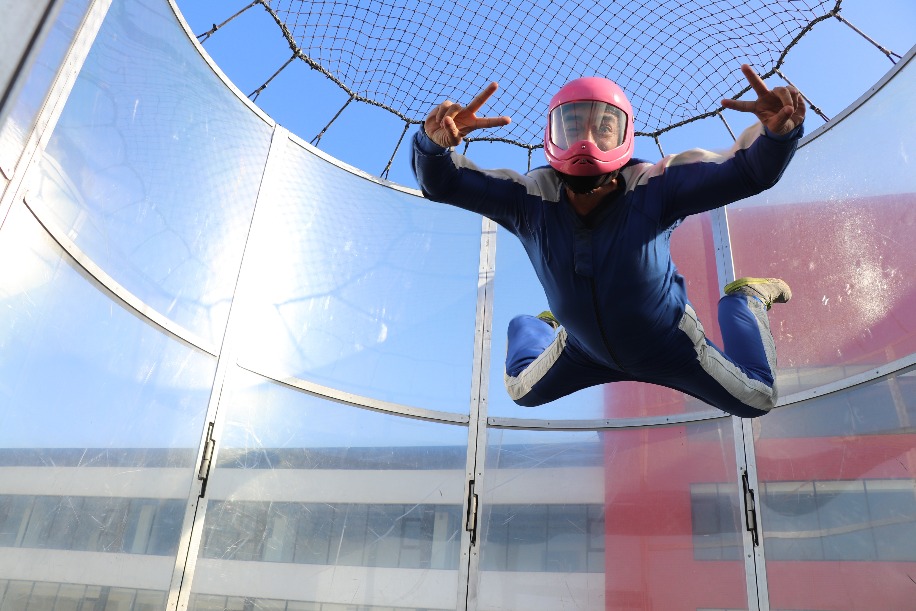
x=597 y=122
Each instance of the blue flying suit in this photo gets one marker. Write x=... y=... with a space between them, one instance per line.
x=609 y=278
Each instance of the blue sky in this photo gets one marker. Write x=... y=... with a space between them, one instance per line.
x=832 y=65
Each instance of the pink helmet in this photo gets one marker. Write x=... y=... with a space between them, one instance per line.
x=589 y=128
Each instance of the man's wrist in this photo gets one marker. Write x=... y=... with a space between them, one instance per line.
x=427 y=145
x=792 y=134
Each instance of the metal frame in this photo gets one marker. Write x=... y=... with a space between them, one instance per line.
x=745 y=458
x=890 y=74
x=872 y=375
x=196 y=507
x=354 y=400
x=755 y=559
x=215 y=68
x=311 y=148
x=24 y=47
x=53 y=104
x=112 y=286
x=477 y=420
x=532 y=424
x=469 y=567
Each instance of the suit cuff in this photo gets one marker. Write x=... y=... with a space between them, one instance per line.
x=795 y=134
x=426 y=146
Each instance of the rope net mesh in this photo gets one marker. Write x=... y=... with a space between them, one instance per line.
x=676 y=59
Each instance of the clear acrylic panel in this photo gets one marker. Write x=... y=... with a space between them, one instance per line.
x=838 y=498
x=314 y=504
x=643 y=518
x=839 y=228
x=23 y=114
x=519 y=292
x=542 y=521
x=101 y=419
x=361 y=287
x=154 y=167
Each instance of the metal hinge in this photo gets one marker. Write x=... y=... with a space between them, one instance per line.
x=203 y=474
x=470 y=523
x=750 y=509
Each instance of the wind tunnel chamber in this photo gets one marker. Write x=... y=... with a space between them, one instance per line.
x=236 y=373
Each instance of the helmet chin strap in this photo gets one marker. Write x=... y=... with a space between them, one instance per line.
x=583 y=185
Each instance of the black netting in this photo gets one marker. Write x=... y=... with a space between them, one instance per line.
x=676 y=59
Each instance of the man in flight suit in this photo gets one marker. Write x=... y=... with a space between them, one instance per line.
x=597 y=224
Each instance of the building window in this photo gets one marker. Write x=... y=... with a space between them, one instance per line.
x=382 y=535
x=208 y=602
x=886 y=406
x=543 y=538
x=91 y=524
x=48 y=596
x=861 y=520
x=715 y=516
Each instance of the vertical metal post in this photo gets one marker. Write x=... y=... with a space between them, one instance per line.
x=755 y=559
x=745 y=457
x=196 y=506
x=477 y=429
x=53 y=105
x=23 y=29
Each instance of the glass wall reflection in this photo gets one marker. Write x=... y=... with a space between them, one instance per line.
x=542 y=526
x=314 y=505
x=322 y=504
x=837 y=228
x=838 y=498
x=101 y=418
x=22 y=116
x=360 y=287
x=629 y=518
x=673 y=519
x=154 y=166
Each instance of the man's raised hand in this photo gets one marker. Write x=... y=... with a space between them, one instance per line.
x=450 y=122
x=781 y=110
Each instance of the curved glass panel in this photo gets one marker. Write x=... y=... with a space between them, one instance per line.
x=101 y=419
x=154 y=167
x=838 y=228
x=361 y=287
x=318 y=504
x=838 y=498
x=22 y=116
x=519 y=292
x=625 y=519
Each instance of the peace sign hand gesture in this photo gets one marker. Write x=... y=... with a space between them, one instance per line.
x=450 y=122
x=780 y=110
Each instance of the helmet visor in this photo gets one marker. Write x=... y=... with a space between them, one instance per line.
x=598 y=122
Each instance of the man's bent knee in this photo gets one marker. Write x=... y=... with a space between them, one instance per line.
x=746 y=411
x=531 y=399
x=743 y=410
